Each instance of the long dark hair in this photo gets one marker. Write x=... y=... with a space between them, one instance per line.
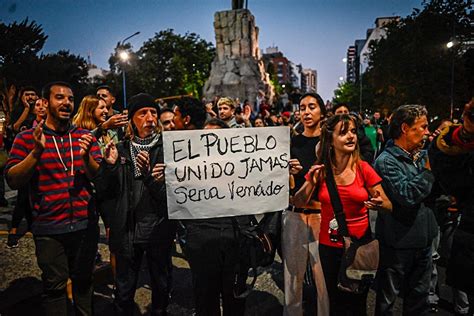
x=325 y=153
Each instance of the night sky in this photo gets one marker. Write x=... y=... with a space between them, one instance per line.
x=314 y=33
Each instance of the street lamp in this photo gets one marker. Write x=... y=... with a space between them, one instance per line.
x=124 y=56
x=344 y=60
x=449 y=45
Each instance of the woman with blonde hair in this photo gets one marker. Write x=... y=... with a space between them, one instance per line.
x=359 y=188
x=92 y=113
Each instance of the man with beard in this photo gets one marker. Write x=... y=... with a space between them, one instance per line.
x=57 y=160
x=211 y=244
x=167 y=119
x=27 y=99
x=139 y=225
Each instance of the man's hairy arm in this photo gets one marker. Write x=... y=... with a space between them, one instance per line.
x=20 y=174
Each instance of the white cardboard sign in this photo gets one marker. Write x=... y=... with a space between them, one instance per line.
x=226 y=172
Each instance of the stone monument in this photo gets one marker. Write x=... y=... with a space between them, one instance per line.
x=238 y=70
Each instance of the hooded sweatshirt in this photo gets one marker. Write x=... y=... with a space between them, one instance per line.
x=60 y=192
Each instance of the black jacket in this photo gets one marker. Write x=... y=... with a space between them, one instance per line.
x=140 y=214
x=453 y=167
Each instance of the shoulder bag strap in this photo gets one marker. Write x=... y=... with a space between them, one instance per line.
x=336 y=203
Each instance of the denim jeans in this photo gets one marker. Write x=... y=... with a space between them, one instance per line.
x=406 y=271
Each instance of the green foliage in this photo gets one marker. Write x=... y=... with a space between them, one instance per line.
x=20 y=41
x=278 y=89
x=167 y=64
x=413 y=65
x=347 y=93
x=20 y=64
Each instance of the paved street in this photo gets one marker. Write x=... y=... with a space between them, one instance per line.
x=20 y=285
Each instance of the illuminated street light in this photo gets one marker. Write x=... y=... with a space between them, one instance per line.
x=344 y=60
x=124 y=56
x=341 y=78
x=449 y=45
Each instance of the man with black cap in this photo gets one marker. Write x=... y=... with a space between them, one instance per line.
x=140 y=223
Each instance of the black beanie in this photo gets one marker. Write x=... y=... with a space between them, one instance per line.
x=139 y=101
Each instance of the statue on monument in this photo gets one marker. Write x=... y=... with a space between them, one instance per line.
x=237 y=4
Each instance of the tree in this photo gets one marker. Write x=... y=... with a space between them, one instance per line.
x=20 y=64
x=63 y=66
x=19 y=46
x=20 y=42
x=167 y=64
x=413 y=65
x=274 y=79
x=347 y=93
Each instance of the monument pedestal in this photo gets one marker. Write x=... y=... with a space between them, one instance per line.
x=238 y=70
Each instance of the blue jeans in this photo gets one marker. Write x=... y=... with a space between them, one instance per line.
x=406 y=271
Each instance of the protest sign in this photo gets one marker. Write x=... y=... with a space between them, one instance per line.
x=226 y=172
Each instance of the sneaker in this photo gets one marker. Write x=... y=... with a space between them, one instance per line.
x=12 y=241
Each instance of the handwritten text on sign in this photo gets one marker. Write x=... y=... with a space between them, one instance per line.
x=226 y=172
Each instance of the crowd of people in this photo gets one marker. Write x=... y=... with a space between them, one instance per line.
x=73 y=166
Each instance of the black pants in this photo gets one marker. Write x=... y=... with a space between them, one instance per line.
x=22 y=208
x=340 y=302
x=66 y=256
x=213 y=253
x=128 y=269
x=406 y=271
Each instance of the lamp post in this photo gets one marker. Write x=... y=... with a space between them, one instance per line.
x=449 y=45
x=352 y=61
x=124 y=56
x=360 y=86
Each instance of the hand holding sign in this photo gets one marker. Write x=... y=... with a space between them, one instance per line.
x=295 y=166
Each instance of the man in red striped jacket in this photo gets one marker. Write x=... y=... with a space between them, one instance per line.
x=57 y=160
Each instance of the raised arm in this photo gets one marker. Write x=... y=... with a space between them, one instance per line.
x=20 y=174
x=303 y=196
